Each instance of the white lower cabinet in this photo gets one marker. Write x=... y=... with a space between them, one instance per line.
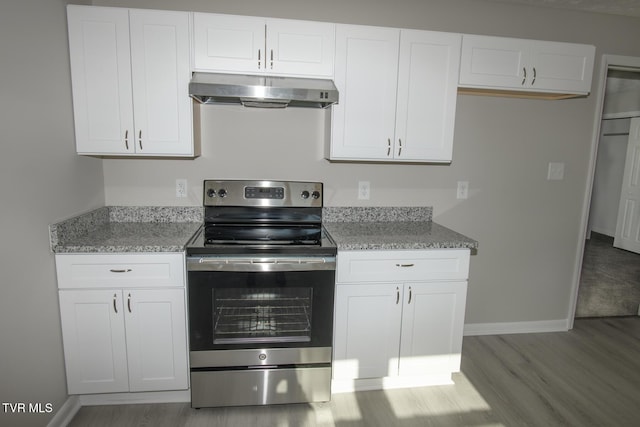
x=122 y=339
x=403 y=332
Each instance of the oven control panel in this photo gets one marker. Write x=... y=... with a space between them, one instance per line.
x=262 y=193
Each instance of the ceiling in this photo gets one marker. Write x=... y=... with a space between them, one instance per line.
x=614 y=7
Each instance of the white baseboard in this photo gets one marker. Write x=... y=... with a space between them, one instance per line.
x=471 y=329
x=65 y=414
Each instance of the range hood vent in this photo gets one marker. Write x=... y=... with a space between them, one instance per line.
x=262 y=91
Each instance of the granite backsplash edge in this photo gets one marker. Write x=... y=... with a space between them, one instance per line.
x=377 y=214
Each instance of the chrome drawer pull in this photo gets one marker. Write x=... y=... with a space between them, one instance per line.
x=405 y=265
x=120 y=270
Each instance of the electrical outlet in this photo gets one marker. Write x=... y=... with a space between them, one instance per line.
x=181 y=188
x=364 y=190
x=463 y=190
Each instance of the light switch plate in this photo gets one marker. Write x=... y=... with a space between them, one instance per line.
x=556 y=171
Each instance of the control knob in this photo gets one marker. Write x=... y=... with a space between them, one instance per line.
x=222 y=192
x=304 y=194
x=315 y=194
x=211 y=192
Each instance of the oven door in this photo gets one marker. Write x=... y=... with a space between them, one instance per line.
x=249 y=302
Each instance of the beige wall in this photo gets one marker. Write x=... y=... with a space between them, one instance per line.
x=528 y=227
x=41 y=181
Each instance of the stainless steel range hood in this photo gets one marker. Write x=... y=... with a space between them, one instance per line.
x=262 y=91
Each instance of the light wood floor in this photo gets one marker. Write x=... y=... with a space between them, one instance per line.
x=589 y=376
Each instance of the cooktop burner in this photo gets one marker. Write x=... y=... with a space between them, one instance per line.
x=275 y=217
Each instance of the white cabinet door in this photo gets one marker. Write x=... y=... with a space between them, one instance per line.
x=366 y=75
x=427 y=94
x=93 y=334
x=301 y=48
x=526 y=65
x=101 y=79
x=161 y=74
x=367 y=331
x=245 y=44
x=493 y=62
x=156 y=339
x=398 y=91
x=563 y=67
x=228 y=43
x=432 y=327
x=130 y=75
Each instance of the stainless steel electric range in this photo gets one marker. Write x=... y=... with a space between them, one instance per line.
x=261 y=282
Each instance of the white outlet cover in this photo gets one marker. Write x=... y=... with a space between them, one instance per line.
x=463 y=190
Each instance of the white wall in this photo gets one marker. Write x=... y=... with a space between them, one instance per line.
x=528 y=227
x=41 y=182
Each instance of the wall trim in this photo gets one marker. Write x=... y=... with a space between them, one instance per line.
x=504 y=328
x=66 y=412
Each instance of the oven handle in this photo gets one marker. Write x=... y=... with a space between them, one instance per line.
x=260 y=264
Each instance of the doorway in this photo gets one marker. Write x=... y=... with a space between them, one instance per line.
x=608 y=280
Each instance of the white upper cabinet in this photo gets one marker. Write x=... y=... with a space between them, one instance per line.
x=397 y=94
x=243 y=44
x=363 y=123
x=526 y=65
x=130 y=74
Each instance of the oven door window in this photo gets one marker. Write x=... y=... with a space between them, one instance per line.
x=230 y=310
x=262 y=315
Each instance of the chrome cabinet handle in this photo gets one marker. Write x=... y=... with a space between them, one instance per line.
x=120 y=270
x=129 y=303
x=405 y=265
x=410 y=295
x=140 y=138
x=388 y=146
x=400 y=149
x=115 y=308
x=272 y=59
x=534 y=76
x=259 y=58
x=126 y=139
x=524 y=70
x=397 y=295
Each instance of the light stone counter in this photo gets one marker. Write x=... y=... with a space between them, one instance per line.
x=388 y=228
x=127 y=229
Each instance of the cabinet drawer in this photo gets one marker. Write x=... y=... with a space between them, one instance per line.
x=120 y=270
x=402 y=265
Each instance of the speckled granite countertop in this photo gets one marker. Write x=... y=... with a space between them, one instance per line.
x=390 y=228
x=167 y=229
x=127 y=229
